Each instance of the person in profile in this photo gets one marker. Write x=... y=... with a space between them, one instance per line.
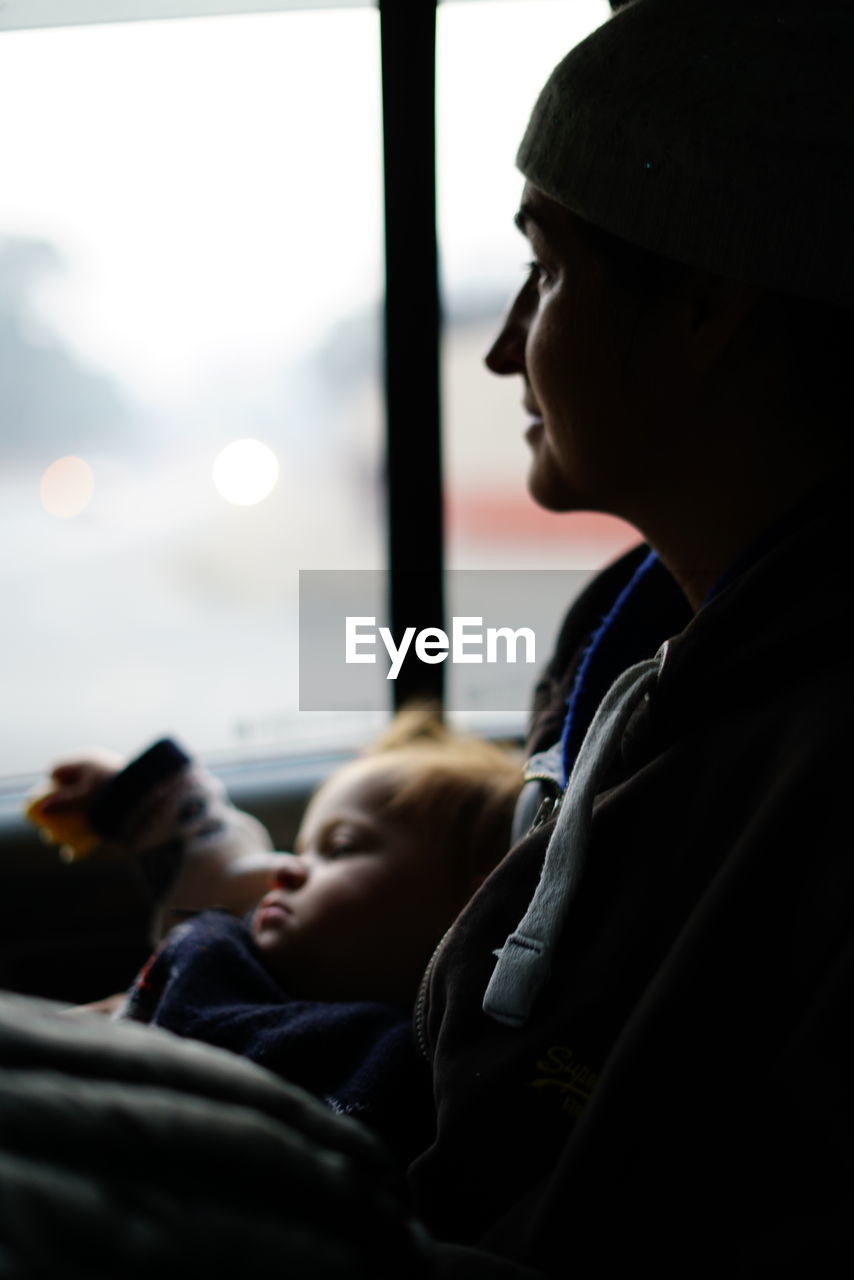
x=639 y=1026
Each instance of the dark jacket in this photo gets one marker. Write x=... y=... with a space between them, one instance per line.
x=682 y=1096
x=207 y=982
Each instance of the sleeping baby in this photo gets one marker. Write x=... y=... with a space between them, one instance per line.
x=318 y=979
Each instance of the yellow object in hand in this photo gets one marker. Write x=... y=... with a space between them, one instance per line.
x=67 y=827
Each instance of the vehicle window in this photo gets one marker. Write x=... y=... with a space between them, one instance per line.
x=190 y=288
x=190 y=367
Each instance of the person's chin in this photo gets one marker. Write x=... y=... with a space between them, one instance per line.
x=550 y=491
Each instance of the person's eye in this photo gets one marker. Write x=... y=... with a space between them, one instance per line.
x=537 y=273
x=341 y=842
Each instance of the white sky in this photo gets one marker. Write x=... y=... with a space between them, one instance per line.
x=216 y=185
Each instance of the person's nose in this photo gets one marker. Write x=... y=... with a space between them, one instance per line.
x=507 y=353
x=291 y=873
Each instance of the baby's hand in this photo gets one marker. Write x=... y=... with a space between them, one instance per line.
x=60 y=807
x=225 y=876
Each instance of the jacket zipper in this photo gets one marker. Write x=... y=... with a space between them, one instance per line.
x=550 y=804
x=548 y=807
x=420 y=1013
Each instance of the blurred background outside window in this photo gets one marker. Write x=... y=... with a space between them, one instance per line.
x=190 y=276
x=190 y=364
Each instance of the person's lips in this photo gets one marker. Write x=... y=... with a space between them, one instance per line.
x=272 y=909
x=534 y=429
x=535 y=418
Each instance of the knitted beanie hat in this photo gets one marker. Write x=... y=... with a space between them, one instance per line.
x=718 y=133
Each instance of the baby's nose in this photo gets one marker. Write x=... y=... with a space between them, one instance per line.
x=291 y=872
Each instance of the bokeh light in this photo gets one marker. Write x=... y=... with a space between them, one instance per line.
x=245 y=472
x=66 y=487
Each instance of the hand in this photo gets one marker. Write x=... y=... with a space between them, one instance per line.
x=76 y=781
x=60 y=807
x=238 y=884
x=251 y=876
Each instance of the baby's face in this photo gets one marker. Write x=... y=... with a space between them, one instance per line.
x=357 y=912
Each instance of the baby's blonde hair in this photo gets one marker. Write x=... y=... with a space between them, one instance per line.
x=457 y=790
